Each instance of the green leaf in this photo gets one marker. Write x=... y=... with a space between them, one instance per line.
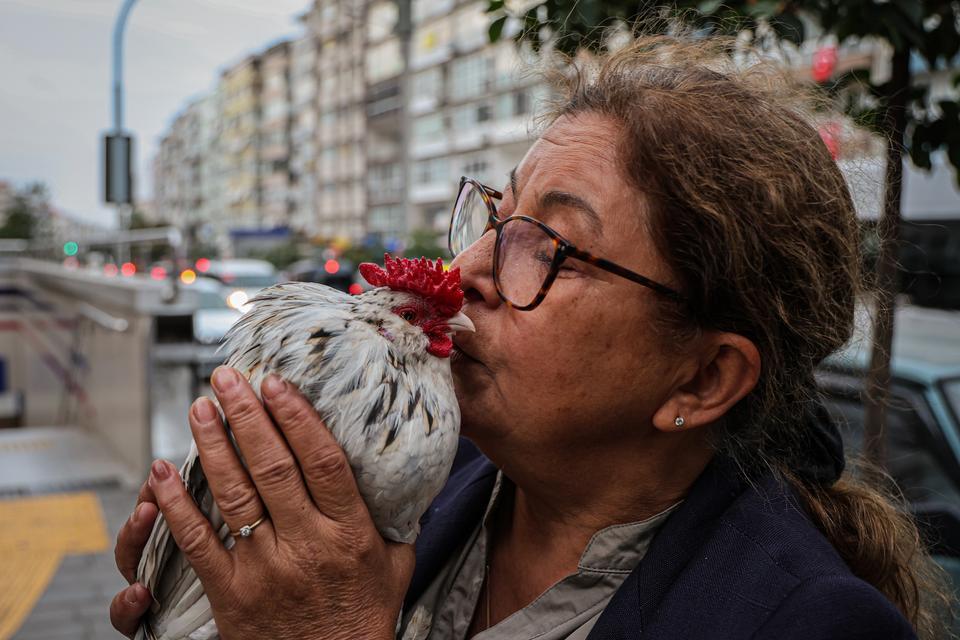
x=763 y=8
x=708 y=7
x=496 y=28
x=912 y=10
x=790 y=28
x=495 y=5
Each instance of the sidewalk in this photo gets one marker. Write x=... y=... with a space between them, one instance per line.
x=76 y=603
x=63 y=497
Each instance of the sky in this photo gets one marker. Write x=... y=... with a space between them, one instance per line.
x=55 y=81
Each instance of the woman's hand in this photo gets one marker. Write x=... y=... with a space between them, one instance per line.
x=130 y=604
x=316 y=566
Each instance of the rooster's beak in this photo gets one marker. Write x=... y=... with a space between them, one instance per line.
x=460 y=322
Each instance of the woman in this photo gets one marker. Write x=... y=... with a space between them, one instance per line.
x=654 y=461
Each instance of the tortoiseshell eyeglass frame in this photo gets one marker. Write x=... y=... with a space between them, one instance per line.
x=563 y=250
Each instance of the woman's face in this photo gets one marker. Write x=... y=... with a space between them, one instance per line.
x=585 y=368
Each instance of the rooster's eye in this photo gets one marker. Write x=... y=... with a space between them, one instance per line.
x=408 y=315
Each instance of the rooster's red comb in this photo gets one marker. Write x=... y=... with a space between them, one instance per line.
x=420 y=276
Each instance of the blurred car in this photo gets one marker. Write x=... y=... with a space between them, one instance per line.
x=337 y=273
x=213 y=316
x=242 y=279
x=923 y=417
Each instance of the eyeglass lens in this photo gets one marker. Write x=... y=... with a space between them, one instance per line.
x=471 y=219
x=524 y=255
x=524 y=250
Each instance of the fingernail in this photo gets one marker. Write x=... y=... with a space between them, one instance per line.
x=137 y=512
x=273 y=385
x=224 y=378
x=132 y=596
x=160 y=470
x=203 y=410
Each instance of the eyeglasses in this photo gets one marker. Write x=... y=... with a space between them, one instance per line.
x=528 y=254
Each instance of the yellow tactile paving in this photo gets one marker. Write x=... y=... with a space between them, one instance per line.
x=36 y=533
x=68 y=522
x=26 y=577
x=36 y=444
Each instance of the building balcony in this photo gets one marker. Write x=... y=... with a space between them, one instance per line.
x=383 y=195
x=441 y=54
x=429 y=148
x=470 y=140
x=509 y=131
x=433 y=192
x=423 y=104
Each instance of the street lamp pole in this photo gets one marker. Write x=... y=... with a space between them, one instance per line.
x=118 y=29
x=118 y=146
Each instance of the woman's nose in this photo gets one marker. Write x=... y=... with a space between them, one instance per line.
x=476 y=271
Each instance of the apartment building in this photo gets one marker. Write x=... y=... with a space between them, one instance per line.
x=310 y=132
x=303 y=105
x=338 y=26
x=386 y=219
x=471 y=106
x=240 y=114
x=187 y=175
x=275 y=144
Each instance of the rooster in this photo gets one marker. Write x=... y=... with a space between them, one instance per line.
x=376 y=368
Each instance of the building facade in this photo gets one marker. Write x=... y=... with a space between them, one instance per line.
x=471 y=106
x=384 y=144
x=327 y=134
x=241 y=158
x=275 y=144
x=304 y=110
x=187 y=174
x=338 y=26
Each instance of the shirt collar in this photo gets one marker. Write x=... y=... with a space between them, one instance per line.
x=614 y=549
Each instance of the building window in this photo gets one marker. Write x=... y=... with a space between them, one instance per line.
x=484 y=112
x=521 y=103
x=465 y=118
x=427 y=83
x=469 y=76
x=384 y=180
x=428 y=126
x=386 y=221
x=433 y=171
x=476 y=168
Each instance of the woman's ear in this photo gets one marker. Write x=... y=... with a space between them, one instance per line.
x=728 y=369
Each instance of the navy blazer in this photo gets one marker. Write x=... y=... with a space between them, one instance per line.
x=737 y=559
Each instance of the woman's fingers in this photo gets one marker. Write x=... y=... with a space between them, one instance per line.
x=127 y=607
x=134 y=533
x=324 y=466
x=229 y=482
x=189 y=527
x=271 y=465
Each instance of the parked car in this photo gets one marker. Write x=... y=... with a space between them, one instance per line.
x=923 y=417
x=339 y=274
x=242 y=279
x=213 y=316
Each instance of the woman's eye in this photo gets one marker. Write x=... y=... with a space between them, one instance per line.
x=544 y=257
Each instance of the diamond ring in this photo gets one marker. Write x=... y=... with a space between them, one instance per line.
x=247 y=529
